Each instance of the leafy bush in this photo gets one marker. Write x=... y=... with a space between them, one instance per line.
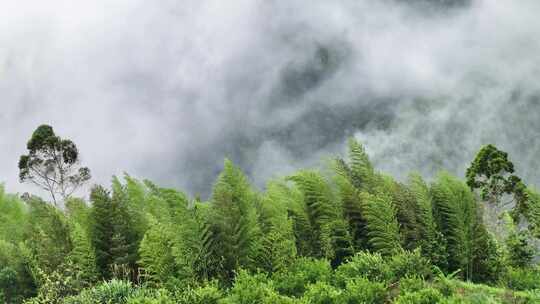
x=364 y=264
x=409 y=263
x=304 y=271
x=424 y=296
x=157 y=297
x=16 y=282
x=115 y=291
x=522 y=279
x=411 y=284
x=480 y=298
x=253 y=288
x=361 y=290
x=54 y=287
x=322 y=293
x=207 y=294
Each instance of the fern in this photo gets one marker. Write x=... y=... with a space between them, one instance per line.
x=195 y=245
x=325 y=216
x=352 y=211
x=358 y=171
x=279 y=242
x=405 y=202
x=457 y=215
x=156 y=257
x=361 y=170
x=533 y=212
x=13 y=217
x=382 y=224
x=236 y=220
x=83 y=257
x=297 y=211
x=431 y=241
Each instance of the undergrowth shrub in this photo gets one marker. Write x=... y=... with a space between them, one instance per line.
x=322 y=293
x=304 y=271
x=410 y=263
x=364 y=265
x=206 y=294
x=522 y=279
x=157 y=297
x=424 y=296
x=411 y=284
x=253 y=288
x=114 y=291
x=361 y=290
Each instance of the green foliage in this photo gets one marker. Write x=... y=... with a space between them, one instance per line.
x=195 y=247
x=518 y=249
x=355 y=237
x=412 y=283
x=298 y=213
x=156 y=257
x=114 y=232
x=520 y=252
x=487 y=172
x=457 y=215
x=279 y=244
x=207 y=294
x=52 y=164
x=532 y=213
x=157 y=297
x=329 y=231
x=407 y=214
x=322 y=293
x=128 y=230
x=360 y=169
x=493 y=174
x=431 y=241
x=371 y=266
x=293 y=280
x=376 y=268
x=78 y=212
x=16 y=282
x=48 y=237
x=82 y=258
x=488 y=256
x=424 y=296
x=353 y=211
x=55 y=286
x=522 y=279
x=235 y=229
x=101 y=228
x=382 y=224
x=255 y=288
x=115 y=291
x=361 y=290
x=407 y=263
x=8 y=284
x=351 y=179
x=13 y=216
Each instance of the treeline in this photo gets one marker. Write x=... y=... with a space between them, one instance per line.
x=305 y=237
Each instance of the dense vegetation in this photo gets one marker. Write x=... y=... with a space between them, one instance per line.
x=342 y=234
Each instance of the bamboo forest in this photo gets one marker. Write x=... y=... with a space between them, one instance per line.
x=340 y=233
x=270 y=152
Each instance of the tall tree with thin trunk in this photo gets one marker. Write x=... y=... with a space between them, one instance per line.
x=52 y=163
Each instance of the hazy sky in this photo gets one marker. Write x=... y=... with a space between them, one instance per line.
x=166 y=89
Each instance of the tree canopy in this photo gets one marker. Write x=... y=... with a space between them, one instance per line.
x=52 y=163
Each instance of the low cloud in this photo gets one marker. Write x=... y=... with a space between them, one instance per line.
x=166 y=90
